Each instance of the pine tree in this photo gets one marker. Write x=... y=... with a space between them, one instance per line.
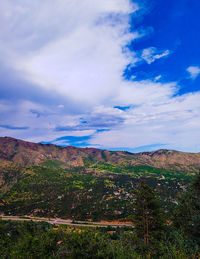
x=187 y=214
x=148 y=216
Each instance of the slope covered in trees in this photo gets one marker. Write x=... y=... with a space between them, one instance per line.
x=163 y=238
x=100 y=191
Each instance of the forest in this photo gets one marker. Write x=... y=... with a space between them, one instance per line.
x=97 y=191
x=156 y=232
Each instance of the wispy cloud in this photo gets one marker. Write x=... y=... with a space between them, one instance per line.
x=11 y=127
x=152 y=54
x=194 y=71
x=157 y=78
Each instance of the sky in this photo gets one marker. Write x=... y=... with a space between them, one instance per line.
x=110 y=74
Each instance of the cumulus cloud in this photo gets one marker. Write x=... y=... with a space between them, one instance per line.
x=71 y=48
x=194 y=71
x=152 y=54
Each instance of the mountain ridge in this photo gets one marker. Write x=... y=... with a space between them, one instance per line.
x=27 y=153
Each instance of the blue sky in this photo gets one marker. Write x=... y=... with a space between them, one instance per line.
x=111 y=74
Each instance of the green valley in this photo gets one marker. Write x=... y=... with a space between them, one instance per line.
x=155 y=193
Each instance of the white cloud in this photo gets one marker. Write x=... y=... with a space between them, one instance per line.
x=194 y=71
x=72 y=47
x=40 y=120
x=151 y=54
x=174 y=122
x=76 y=49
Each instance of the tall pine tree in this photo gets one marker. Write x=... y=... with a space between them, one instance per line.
x=148 y=216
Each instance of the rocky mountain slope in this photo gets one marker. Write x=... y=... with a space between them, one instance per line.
x=26 y=153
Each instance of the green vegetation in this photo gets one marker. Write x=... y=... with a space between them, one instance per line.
x=152 y=236
x=148 y=215
x=98 y=191
x=42 y=240
x=187 y=213
x=163 y=205
x=51 y=192
x=138 y=171
x=53 y=164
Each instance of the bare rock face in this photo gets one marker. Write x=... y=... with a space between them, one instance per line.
x=26 y=153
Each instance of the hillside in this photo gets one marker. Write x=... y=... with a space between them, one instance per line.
x=86 y=183
x=27 y=153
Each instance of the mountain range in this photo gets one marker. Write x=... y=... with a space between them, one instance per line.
x=26 y=153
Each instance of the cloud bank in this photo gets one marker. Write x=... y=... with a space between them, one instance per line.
x=65 y=62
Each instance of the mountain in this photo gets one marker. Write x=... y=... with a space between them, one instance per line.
x=26 y=153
